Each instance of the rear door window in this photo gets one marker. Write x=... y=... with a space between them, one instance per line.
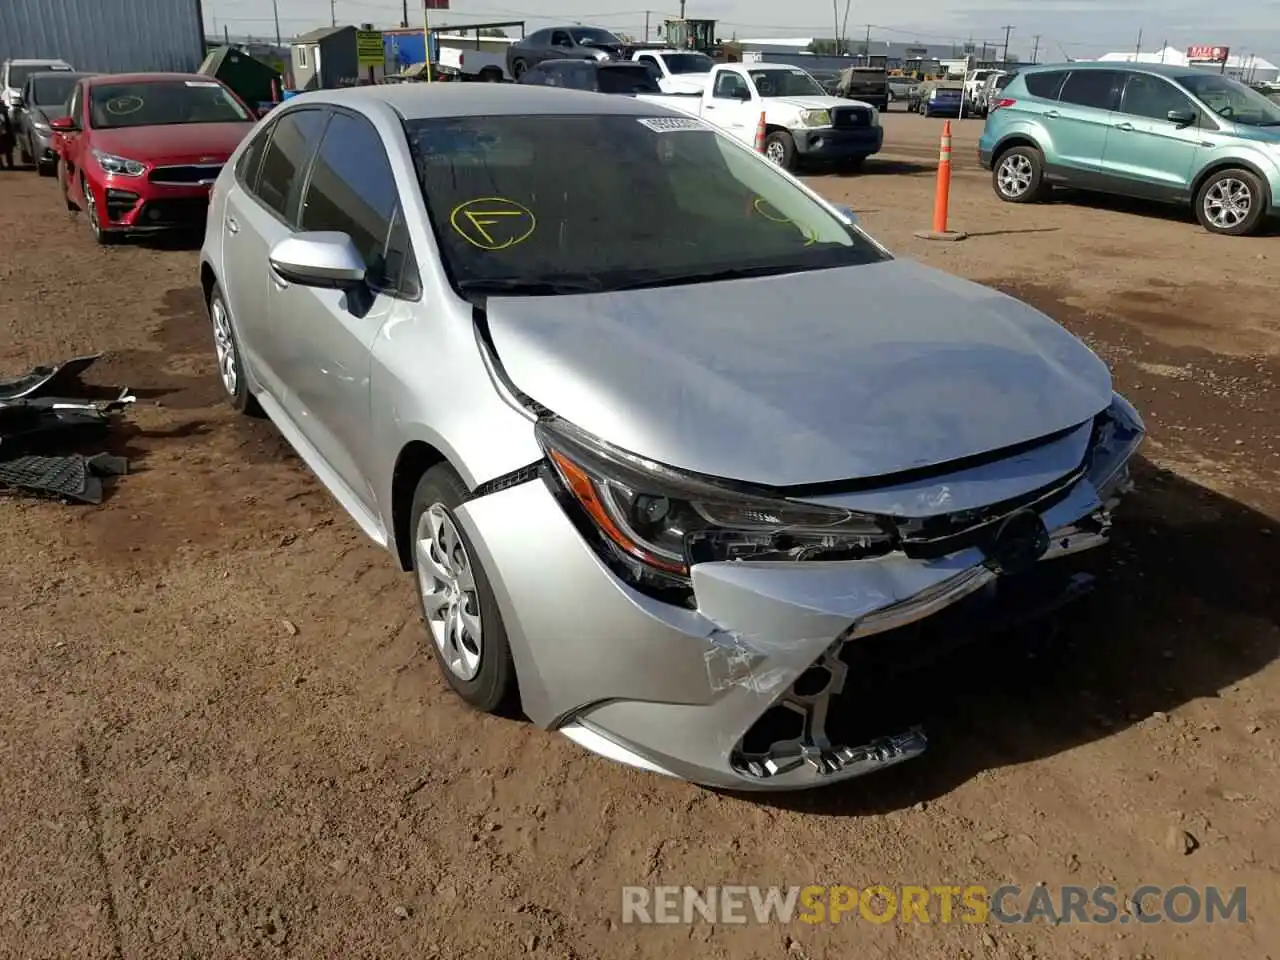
x=284 y=164
x=1098 y=89
x=1045 y=85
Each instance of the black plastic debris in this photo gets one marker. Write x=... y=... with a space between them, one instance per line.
x=25 y=421
x=45 y=379
x=75 y=477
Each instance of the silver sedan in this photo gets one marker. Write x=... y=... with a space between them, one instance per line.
x=668 y=442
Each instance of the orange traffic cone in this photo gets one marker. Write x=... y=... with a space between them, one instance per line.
x=760 y=127
x=942 y=193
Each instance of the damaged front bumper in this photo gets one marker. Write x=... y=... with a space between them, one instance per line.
x=757 y=686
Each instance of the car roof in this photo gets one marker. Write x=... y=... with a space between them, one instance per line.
x=426 y=101
x=1172 y=71
x=104 y=78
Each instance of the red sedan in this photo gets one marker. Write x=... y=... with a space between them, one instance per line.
x=138 y=152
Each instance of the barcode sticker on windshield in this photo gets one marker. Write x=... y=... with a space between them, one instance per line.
x=670 y=124
x=202 y=83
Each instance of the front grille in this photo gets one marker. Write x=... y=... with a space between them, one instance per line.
x=188 y=175
x=928 y=538
x=182 y=212
x=850 y=118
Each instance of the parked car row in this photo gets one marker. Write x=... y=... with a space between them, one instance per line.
x=1150 y=131
x=529 y=340
x=136 y=153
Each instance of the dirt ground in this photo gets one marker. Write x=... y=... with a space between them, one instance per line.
x=221 y=736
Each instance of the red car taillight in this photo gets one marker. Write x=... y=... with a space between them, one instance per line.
x=1003 y=102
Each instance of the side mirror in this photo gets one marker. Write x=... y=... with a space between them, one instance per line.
x=743 y=95
x=1181 y=118
x=63 y=124
x=318 y=259
x=16 y=100
x=848 y=214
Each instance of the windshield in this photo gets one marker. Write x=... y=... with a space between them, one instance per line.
x=1232 y=100
x=589 y=35
x=1003 y=80
x=627 y=78
x=786 y=83
x=162 y=102
x=543 y=204
x=688 y=62
x=53 y=90
x=18 y=73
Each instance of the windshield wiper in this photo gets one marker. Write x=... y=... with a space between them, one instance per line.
x=530 y=288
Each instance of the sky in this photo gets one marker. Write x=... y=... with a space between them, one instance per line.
x=1066 y=28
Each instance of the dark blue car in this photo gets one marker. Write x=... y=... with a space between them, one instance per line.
x=935 y=100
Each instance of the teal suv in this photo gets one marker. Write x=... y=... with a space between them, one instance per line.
x=1174 y=134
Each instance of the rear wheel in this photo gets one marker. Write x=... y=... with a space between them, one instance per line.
x=518 y=68
x=1231 y=202
x=469 y=641
x=1018 y=175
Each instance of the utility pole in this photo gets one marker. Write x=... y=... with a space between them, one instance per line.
x=1008 y=29
x=835 y=21
x=275 y=12
x=646 y=26
x=1137 y=50
x=866 y=45
x=1036 y=49
x=404 y=14
x=333 y=13
x=1164 y=45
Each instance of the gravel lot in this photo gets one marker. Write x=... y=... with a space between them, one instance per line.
x=220 y=735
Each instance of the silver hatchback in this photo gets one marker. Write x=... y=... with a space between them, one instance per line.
x=666 y=439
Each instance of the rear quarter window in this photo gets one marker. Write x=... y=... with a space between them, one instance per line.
x=1045 y=85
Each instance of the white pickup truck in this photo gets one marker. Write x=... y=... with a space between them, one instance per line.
x=677 y=71
x=801 y=120
x=471 y=58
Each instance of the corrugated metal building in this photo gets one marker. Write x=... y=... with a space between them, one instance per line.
x=108 y=36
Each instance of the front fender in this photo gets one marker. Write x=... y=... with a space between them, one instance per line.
x=1260 y=160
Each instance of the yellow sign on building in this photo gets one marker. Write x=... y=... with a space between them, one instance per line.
x=369 y=48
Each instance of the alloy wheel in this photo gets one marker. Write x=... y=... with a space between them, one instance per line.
x=1227 y=203
x=450 y=602
x=775 y=153
x=91 y=208
x=1014 y=175
x=224 y=347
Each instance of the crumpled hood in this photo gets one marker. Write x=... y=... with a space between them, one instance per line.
x=850 y=373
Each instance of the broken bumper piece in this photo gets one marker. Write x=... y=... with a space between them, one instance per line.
x=45 y=379
x=35 y=419
x=75 y=477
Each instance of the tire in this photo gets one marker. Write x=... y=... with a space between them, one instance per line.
x=62 y=182
x=490 y=75
x=518 y=68
x=1017 y=175
x=100 y=236
x=226 y=346
x=45 y=169
x=480 y=669
x=780 y=149
x=1219 y=201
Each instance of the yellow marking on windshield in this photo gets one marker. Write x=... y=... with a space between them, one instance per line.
x=770 y=212
x=493 y=223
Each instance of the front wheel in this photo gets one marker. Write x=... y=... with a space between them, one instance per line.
x=469 y=641
x=227 y=350
x=1018 y=175
x=518 y=69
x=1231 y=203
x=100 y=235
x=780 y=149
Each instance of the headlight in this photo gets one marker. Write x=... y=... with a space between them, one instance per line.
x=39 y=126
x=652 y=523
x=815 y=118
x=121 y=166
x=1117 y=433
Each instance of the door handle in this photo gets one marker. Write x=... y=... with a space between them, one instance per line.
x=1124 y=126
x=709 y=106
x=1205 y=143
x=1052 y=115
x=232 y=225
